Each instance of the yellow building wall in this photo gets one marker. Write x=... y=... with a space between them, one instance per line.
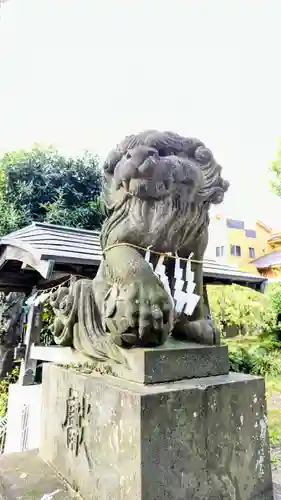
x=238 y=237
x=262 y=240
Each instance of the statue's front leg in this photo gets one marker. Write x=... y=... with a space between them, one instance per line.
x=136 y=309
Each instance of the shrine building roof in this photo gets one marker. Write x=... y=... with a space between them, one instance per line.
x=41 y=254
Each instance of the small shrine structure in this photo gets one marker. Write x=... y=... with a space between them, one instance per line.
x=34 y=261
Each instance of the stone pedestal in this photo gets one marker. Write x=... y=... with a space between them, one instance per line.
x=194 y=439
x=173 y=361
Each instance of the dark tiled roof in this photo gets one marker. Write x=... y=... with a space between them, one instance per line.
x=66 y=245
x=59 y=243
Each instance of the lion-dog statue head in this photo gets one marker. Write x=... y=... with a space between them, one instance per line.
x=158 y=187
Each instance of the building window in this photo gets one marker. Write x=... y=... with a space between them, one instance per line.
x=219 y=251
x=250 y=233
x=252 y=253
x=234 y=224
x=235 y=250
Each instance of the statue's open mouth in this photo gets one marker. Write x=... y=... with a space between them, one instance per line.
x=148 y=188
x=159 y=179
x=157 y=166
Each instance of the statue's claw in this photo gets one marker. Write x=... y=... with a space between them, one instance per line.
x=142 y=313
x=201 y=331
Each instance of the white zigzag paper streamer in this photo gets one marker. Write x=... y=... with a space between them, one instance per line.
x=184 y=302
x=160 y=271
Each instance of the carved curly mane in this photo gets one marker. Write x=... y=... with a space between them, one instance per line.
x=158 y=187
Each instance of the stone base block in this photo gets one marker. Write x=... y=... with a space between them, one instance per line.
x=199 y=439
x=26 y=476
x=174 y=360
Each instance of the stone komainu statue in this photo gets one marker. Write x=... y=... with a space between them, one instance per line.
x=157 y=190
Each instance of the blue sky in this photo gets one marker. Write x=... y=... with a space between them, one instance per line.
x=82 y=74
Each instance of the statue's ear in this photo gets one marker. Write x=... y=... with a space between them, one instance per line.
x=110 y=301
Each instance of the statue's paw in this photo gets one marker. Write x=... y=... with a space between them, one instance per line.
x=142 y=314
x=200 y=331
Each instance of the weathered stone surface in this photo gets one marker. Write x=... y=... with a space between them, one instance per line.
x=15 y=482
x=173 y=361
x=25 y=476
x=277 y=491
x=199 y=439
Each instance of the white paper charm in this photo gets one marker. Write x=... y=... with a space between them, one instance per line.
x=191 y=304
x=185 y=302
x=147 y=257
x=160 y=271
x=178 y=272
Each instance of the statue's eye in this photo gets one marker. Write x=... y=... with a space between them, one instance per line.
x=162 y=152
x=128 y=155
x=150 y=153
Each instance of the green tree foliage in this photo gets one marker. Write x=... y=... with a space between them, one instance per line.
x=10 y=218
x=247 y=309
x=4 y=389
x=257 y=350
x=44 y=186
x=276 y=171
x=274 y=294
x=48 y=316
x=256 y=360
